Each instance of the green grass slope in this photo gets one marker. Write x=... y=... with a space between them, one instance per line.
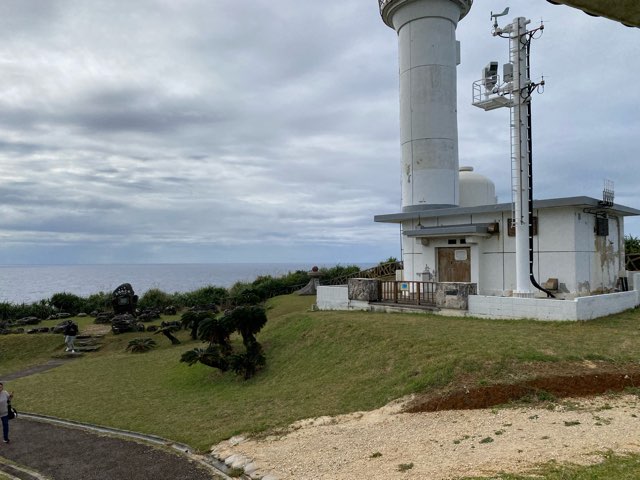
x=318 y=363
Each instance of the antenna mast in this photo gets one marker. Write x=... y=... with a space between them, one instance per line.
x=514 y=92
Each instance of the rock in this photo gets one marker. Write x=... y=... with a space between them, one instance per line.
x=82 y=315
x=125 y=323
x=238 y=439
x=38 y=330
x=124 y=300
x=230 y=459
x=103 y=317
x=363 y=289
x=28 y=321
x=250 y=467
x=240 y=462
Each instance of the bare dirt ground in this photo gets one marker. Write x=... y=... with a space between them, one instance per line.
x=422 y=438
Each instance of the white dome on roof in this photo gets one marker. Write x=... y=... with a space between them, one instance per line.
x=475 y=189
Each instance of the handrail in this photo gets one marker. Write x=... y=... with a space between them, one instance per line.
x=383 y=270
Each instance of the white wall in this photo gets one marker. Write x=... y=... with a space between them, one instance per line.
x=581 y=308
x=565 y=248
x=336 y=297
x=484 y=306
x=332 y=297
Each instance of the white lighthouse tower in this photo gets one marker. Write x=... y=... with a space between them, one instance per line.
x=429 y=54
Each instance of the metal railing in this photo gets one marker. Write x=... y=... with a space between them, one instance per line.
x=379 y=271
x=465 y=5
x=383 y=3
x=632 y=262
x=409 y=293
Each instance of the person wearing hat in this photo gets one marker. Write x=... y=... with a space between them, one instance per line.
x=4 y=412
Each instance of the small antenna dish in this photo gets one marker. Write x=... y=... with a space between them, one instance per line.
x=495 y=16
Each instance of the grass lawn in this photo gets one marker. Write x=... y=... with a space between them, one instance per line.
x=318 y=363
x=614 y=467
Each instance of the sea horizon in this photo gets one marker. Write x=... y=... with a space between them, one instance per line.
x=29 y=283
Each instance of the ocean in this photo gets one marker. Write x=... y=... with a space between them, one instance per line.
x=32 y=283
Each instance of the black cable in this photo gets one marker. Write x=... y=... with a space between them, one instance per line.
x=532 y=277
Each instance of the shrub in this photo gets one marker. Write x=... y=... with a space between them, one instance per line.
x=193 y=318
x=246 y=296
x=338 y=271
x=9 y=311
x=388 y=260
x=217 y=331
x=247 y=320
x=98 y=301
x=67 y=302
x=155 y=298
x=141 y=345
x=631 y=244
x=204 y=297
x=211 y=356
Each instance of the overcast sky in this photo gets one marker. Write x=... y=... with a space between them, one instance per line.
x=154 y=131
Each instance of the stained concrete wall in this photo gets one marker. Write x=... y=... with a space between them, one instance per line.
x=581 y=308
x=336 y=297
x=565 y=248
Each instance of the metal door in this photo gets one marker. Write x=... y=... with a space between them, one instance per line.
x=454 y=264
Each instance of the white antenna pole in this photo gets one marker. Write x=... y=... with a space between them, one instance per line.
x=520 y=98
x=514 y=92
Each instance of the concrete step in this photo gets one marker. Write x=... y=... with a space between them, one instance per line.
x=84 y=349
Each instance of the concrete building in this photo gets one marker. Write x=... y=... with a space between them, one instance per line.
x=460 y=248
x=451 y=227
x=578 y=245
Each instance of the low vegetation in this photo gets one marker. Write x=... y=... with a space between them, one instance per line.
x=241 y=293
x=631 y=244
x=318 y=363
x=613 y=467
x=141 y=345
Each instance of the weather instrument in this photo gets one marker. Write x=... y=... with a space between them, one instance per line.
x=495 y=16
x=514 y=91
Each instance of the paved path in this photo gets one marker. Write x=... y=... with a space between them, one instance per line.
x=56 y=452
x=37 y=369
x=66 y=453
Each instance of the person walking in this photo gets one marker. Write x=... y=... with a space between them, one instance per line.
x=70 y=332
x=4 y=412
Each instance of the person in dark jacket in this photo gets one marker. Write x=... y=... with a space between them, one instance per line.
x=70 y=332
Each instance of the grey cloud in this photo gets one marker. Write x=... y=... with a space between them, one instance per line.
x=202 y=131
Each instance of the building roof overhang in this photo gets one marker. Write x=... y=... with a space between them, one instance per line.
x=626 y=12
x=573 y=202
x=468 y=230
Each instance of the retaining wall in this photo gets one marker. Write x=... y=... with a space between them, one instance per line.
x=581 y=308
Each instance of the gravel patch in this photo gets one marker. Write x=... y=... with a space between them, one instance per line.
x=388 y=444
